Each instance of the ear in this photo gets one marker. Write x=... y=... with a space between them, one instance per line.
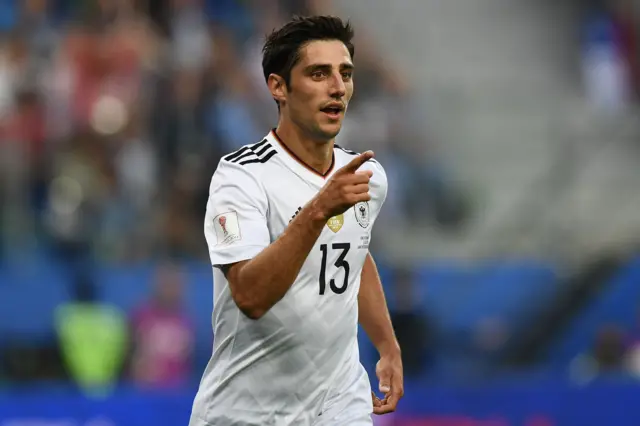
x=277 y=87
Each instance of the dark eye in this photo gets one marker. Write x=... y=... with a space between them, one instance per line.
x=317 y=74
x=347 y=75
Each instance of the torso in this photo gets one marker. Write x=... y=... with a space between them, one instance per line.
x=305 y=347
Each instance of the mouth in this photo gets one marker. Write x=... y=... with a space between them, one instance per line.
x=334 y=111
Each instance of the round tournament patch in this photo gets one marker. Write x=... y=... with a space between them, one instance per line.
x=362 y=213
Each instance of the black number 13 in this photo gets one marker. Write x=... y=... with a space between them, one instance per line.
x=339 y=263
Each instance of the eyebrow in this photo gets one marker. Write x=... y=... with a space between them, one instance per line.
x=345 y=66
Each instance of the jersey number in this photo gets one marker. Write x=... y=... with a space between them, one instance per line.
x=339 y=263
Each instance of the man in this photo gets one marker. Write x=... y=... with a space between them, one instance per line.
x=288 y=226
x=163 y=334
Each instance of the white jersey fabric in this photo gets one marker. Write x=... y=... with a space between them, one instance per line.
x=299 y=363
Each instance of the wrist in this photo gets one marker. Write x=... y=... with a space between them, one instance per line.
x=317 y=214
x=389 y=349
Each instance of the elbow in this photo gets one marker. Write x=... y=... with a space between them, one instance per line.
x=252 y=312
x=245 y=297
x=250 y=301
x=250 y=307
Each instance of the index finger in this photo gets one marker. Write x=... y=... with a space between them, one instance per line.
x=391 y=399
x=377 y=402
x=383 y=409
x=388 y=405
x=357 y=162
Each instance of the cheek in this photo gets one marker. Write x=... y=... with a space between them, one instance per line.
x=308 y=95
x=300 y=110
x=305 y=102
x=349 y=90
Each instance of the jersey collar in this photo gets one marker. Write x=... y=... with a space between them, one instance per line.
x=296 y=164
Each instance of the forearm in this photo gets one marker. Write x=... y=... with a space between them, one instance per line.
x=261 y=282
x=373 y=312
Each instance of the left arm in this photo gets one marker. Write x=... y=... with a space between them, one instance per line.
x=376 y=321
x=373 y=312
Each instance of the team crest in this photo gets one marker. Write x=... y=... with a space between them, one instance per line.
x=362 y=214
x=336 y=222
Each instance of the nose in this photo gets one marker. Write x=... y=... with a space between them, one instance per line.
x=337 y=88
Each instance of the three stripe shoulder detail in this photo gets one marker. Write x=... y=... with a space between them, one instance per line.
x=260 y=152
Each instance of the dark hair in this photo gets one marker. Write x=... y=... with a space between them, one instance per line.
x=281 y=51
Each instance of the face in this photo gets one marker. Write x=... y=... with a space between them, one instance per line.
x=319 y=90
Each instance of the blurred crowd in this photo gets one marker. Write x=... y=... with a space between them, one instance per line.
x=114 y=114
x=97 y=345
x=113 y=117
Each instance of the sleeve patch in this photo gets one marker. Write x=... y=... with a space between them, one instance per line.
x=227 y=228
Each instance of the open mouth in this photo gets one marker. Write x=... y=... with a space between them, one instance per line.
x=333 y=111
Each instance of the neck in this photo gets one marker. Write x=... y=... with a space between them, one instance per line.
x=315 y=153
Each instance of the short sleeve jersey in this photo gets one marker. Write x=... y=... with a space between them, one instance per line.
x=280 y=368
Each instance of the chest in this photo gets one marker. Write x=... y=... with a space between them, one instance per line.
x=330 y=274
x=352 y=227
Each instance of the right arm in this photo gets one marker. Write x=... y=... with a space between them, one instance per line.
x=258 y=283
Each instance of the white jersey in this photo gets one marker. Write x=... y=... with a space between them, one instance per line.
x=283 y=368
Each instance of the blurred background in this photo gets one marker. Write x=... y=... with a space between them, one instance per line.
x=509 y=245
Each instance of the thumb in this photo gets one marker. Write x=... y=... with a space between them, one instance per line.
x=385 y=383
x=355 y=164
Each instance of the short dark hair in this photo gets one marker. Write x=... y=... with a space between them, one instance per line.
x=281 y=51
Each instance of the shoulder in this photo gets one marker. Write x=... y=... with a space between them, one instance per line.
x=252 y=157
x=239 y=174
x=246 y=163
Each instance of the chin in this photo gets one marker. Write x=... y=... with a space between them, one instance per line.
x=329 y=131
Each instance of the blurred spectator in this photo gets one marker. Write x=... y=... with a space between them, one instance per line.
x=93 y=338
x=163 y=335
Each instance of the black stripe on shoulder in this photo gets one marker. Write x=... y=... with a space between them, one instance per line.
x=244 y=149
x=350 y=152
x=256 y=159
x=252 y=152
x=235 y=154
x=253 y=156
